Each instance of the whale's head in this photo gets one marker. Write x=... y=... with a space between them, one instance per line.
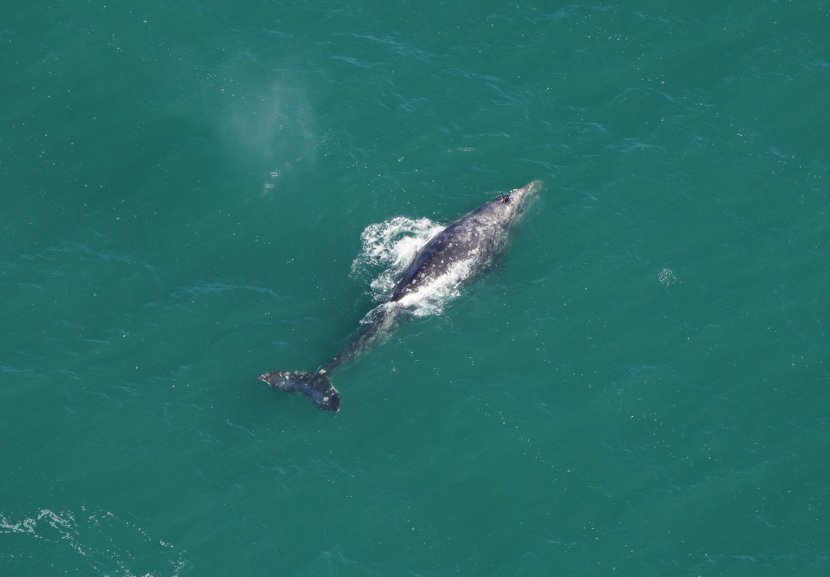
x=527 y=193
x=513 y=204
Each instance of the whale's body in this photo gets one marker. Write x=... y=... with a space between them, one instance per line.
x=448 y=260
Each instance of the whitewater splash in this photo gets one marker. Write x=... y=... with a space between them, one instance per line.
x=101 y=541
x=388 y=248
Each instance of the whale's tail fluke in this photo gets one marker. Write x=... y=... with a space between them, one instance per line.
x=316 y=386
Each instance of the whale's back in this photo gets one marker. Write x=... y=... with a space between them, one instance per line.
x=455 y=255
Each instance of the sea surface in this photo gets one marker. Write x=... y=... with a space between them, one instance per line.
x=193 y=193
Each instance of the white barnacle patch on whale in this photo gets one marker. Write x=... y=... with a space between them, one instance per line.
x=434 y=293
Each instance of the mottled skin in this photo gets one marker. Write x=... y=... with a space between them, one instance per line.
x=470 y=241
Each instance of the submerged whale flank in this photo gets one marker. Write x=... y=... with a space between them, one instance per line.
x=451 y=258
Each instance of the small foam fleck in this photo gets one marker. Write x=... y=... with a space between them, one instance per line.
x=667 y=277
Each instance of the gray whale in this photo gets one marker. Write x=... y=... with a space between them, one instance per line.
x=452 y=257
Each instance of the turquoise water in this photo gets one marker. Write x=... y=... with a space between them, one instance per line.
x=637 y=388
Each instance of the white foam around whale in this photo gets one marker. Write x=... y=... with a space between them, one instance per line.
x=388 y=248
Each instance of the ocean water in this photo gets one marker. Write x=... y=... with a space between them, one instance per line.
x=636 y=388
